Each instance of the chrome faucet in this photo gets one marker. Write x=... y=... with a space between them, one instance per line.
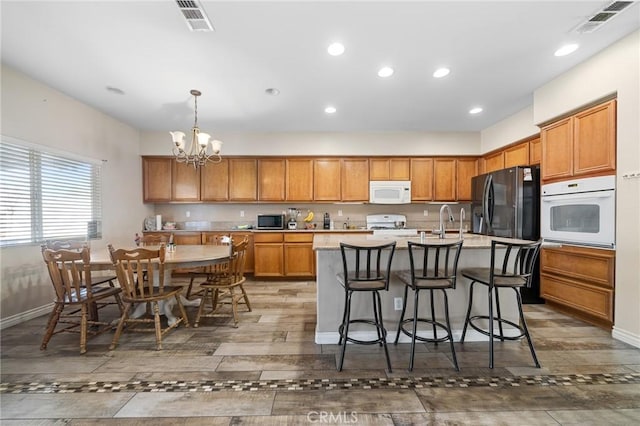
x=442 y=225
x=462 y=218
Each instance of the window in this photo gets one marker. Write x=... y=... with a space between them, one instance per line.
x=47 y=196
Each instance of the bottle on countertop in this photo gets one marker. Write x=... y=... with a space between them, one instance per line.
x=327 y=221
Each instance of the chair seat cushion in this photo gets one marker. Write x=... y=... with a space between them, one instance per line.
x=482 y=275
x=405 y=277
x=360 y=284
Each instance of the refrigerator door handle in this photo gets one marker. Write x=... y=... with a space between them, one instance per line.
x=485 y=204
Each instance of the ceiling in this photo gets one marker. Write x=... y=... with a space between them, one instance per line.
x=498 y=52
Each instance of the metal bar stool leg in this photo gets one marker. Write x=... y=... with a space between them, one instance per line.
x=345 y=330
x=433 y=319
x=416 y=295
x=404 y=309
x=466 y=319
x=497 y=294
x=376 y=317
x=525 y=329
x=382 y=331
x=490 y=293
x=446 y=315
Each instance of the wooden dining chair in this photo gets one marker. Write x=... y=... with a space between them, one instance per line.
x=211 y=272
x=70 y=274
x=226 y=287
x=129 y=264
x=77 y=246
x=153 y=240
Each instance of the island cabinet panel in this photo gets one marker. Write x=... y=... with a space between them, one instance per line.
x=299 y=257
x=389 y=169
x=185 y=185
x=444 y=178
x=271 y=179
x=422 y=179
x=466 y=169
x=535 y=151
x=355 y=179
x=243 y=174
x=580 y=279
x=268 y=254
x=594 y=145
x=326 y=179
x=299 y=179
x=516 y=155
x=494 y=161
x=156 y=179
x=214 y=181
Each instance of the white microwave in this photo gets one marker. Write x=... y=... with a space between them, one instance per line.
x=390 y=192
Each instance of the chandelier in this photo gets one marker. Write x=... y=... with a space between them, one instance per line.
x=198 y=153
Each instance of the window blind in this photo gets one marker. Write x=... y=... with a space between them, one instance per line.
x=46 y=196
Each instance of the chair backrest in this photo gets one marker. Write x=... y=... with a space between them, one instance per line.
x=153 y=240
x=216 y=240
x=70 y=273
x=519 y=259
x=237 y=262
x=130 y=265
x=362 y=264
x=434 y=262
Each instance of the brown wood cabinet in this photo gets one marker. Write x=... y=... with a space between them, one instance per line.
x=214 y=181
x=466 y=169
x=326 y=179
x=422 y=179
x=271 y=179
x=580 y=280
x=580 y=145
x=243 y=174
x=355 y=179
x=269 y=254
x=516 y=155
x=535 y=151
x=389 y=169
x=444 y=179
x=299 y=257
x=185 y=182
x=494 y=161
x=156 y=179
x=299 y=179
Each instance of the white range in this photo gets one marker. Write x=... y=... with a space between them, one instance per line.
x=389 y=224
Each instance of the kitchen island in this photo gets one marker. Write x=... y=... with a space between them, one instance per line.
x=476 y=252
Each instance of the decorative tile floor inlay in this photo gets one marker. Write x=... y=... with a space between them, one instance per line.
x=318 y=384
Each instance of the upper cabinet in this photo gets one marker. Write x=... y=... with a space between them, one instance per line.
x=243 y=179
x=517 y=155
x=466 y=169
x=326 y=179
x=156 y=179
x=494 y=161
x=535 y=151
x=271 y=179
x=422 y=179
x=579 y=145
x=214 y=181
x=389 y=169
x=299 y=179
x=355 y=179
x=444 y=179
x=185 y=185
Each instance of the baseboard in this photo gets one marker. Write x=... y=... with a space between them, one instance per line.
x=25 y=316
x=331 y=337
x=625 y=336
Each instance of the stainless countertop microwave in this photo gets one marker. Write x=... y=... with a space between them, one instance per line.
x=270 y=221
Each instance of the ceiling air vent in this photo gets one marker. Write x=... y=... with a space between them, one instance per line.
x=195 y=15
x=602 y=16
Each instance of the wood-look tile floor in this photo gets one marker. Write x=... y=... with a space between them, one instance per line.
x=269 y=371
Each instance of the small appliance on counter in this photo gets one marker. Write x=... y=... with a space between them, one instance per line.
x=292 y=222
x=326 y=224
x=389 y=224
x=270 y=221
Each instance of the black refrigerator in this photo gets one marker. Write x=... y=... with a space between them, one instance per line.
x=506 y=203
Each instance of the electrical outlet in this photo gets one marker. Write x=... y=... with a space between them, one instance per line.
x=188 y=213
x=426 y=213
x=241 y=213
x=397 y=303
x=339 y=212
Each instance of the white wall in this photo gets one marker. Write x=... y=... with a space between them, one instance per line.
x=519 y=126
x=389 y=143
x=37 y=114
x=615 y=70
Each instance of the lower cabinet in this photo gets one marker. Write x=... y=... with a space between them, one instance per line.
x=284 y=254
x=579 y=280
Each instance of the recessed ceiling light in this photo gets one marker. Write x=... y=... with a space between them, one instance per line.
x=441 y=72
x=330 y=110
x=566 y=49
x=115 y=90
x=385 y=72
x=335 y=49
x=475 y=110
x=272 y=91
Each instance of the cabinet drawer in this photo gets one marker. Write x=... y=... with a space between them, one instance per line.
x=590 y=265
x=586 y=298
x=267 y=237
x=296 y=237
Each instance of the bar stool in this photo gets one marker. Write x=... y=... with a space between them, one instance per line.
x=433 y=267
x=365 y=269
x=515 y=272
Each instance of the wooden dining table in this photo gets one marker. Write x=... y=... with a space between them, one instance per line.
x=182 y=257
